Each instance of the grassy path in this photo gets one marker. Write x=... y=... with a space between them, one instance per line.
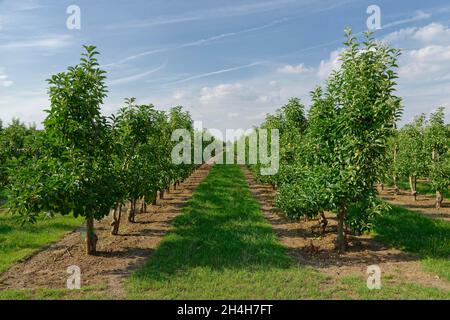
x=220 y=248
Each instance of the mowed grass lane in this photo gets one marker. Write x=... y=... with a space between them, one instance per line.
x=221 y=248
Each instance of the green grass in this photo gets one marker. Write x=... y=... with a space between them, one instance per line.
x=86 y=293
x=17 y=242
x=222 y=248
x=412 y=232
x=354 y=287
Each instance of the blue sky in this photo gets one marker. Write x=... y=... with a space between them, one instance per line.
x=227 y=62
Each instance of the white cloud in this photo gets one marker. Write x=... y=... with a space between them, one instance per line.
x=256 y=117
x=399 y=35
x=26 y=106
x=434 y=33
x=264 y=98
x=426 y=63
x=228 y=11
x=135 y=77
x=208 y=94
x=217 y=72
x=424 y=71
x=294 y=69
x=430 y=60
x=418 y=16
x=200 y=42
x=23 y=5
x=49 y=42
x=178 y=95
x=4 y=80
x=232 y=114
x=327 y=66
x=133 y=57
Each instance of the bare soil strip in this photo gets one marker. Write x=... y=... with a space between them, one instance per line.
x=117 y=256
x=310 y=247
x=425 y=204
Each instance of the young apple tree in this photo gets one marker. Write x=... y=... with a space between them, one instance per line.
x=131 y=129
x=437 y=145
x=73 y=173
x=412 y=158
x=348 y=131
x=179 y=119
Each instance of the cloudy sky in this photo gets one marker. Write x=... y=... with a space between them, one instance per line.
x=228 y=62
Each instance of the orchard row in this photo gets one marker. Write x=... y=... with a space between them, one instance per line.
x=84 y=163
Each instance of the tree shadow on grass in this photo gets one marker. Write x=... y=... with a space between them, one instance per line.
x=414 y=233
x=221 y=228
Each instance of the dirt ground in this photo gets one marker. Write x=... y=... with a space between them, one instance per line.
x=425 y=204
x=310 y=247
x=117 y=256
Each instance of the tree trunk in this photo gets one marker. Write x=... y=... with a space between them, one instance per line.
x=396 y=189
x=439 y=199
x=143 y=209
x=114 y=229
x=341 y=241
x=91 y=237
x=435 y=155
x=415 y=188
x=412 y=185
x=161 y=194
x=115 y=224
x=323 y=222
x=132 y=211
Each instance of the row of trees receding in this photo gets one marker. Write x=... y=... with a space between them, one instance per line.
x=421 y=150
x=86 y=164
x=332 y=158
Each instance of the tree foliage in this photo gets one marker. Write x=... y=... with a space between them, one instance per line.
x=85 y=164
x=338 y=153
